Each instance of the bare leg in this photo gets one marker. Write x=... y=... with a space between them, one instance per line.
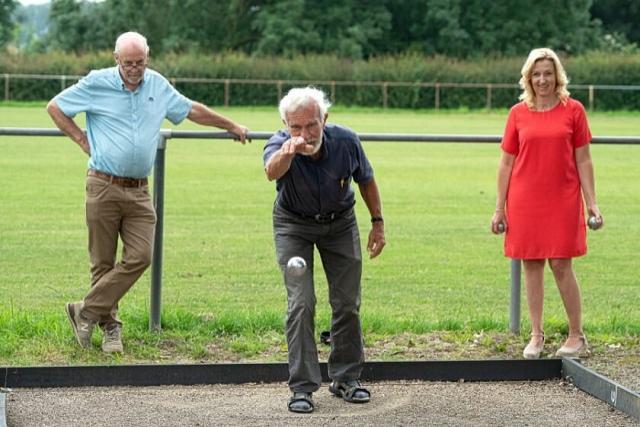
x=534 y=282
x=570 y=293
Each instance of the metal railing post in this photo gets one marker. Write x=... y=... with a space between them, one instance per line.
x=385 y=95
x=279 y=87
x=6 y=87
x=156 y=263
x=227 y=82
x=514 y=307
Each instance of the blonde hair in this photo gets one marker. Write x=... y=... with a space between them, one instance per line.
x=301 y=97
x=528 y=95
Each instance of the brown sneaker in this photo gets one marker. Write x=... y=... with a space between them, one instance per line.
x=112 y=339
x=82 y=327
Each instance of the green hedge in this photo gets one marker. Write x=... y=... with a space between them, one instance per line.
x=599 y=68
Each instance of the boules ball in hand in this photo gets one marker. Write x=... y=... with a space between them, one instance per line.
x=296 y=266
x=500 y=227
x=593 y=223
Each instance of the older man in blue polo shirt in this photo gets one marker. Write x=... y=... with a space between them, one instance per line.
x=125 y=106
x=313 y=164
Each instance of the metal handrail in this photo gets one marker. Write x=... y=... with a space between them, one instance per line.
x=371 y=137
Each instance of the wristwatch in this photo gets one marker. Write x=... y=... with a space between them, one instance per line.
x=376 y=219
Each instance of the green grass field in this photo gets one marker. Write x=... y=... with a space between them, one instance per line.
x=442 y=269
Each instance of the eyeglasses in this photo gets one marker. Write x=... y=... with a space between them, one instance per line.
x=130 y=65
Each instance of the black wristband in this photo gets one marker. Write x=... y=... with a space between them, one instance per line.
x=376 y=219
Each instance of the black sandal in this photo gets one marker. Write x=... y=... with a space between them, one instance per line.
x=301 y=402
x=351 y=391
x=325 y=337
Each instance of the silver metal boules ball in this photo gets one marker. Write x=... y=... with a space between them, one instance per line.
x=500 y=227
x=296 y=266
x=593 y=223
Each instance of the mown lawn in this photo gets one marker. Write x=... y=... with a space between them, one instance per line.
x=442 y=270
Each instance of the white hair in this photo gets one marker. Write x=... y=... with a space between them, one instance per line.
x=131 y=36
x=301 y=97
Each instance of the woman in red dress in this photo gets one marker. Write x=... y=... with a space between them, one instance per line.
x=544 y=173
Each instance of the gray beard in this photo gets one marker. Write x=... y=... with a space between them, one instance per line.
x=316 y=148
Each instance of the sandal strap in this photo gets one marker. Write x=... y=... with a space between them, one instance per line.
x=300 y=396
x=352 y=387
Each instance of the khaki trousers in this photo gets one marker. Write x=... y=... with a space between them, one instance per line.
x=113 y=210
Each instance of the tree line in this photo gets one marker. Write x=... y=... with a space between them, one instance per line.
x=353 y=29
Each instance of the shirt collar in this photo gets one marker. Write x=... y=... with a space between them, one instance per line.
x=325 y=140
x=120 y=82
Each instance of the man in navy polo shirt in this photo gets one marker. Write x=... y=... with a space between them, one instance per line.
x=313 y=164
x=124 y=106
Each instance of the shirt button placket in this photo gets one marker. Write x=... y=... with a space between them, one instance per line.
x=320 y=198
x=136 y=128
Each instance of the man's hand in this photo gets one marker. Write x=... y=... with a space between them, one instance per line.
x=376 y=239
x=242 y=132
x=296 y=144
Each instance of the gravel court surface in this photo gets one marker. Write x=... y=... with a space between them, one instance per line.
x=398 y=403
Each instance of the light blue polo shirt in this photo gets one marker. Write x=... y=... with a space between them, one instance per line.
x=123 y=127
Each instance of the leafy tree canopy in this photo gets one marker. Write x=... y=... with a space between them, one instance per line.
x=347 y=28
x=6 y=23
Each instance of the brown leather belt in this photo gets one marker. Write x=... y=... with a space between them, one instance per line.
x=119 y=180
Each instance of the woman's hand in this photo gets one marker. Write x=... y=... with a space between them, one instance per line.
x=498 y=222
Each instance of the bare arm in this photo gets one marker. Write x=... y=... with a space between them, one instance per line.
x=587 y=180
x=504 y=175
x=68 y=126
x=205 y=116
x=371 y=196
x=280 y=161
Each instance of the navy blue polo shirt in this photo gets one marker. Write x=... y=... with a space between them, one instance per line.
x=322 y=186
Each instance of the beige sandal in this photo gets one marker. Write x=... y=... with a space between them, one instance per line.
x=581 y=350
x=532 y=351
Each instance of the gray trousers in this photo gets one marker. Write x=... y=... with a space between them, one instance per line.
x=338 y=243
